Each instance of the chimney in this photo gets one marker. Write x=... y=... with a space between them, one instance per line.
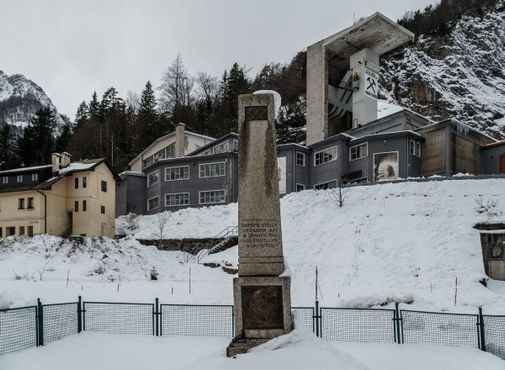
x=65 y=159
x=179 y=139
x=55 y=161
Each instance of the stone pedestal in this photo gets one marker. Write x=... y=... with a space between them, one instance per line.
x=262 y=300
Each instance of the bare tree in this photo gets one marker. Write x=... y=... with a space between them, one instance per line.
x=207 y=86
x=133 y=101
x=488 y=208
x=162 y=219
x=41 y=270
x=176 y=87
x=340 y=193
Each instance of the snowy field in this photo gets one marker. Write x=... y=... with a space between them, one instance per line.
x=297 y=350
x=405 y=242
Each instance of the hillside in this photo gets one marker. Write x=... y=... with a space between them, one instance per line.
x=20 y=98
x=458 y=73
x=402 y=242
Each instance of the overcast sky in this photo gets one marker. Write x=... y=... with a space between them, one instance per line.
x=74 y=47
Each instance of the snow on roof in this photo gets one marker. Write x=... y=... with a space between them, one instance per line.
x=80 y=166
x=25 y=169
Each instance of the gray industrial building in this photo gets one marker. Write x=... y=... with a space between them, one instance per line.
x=346 y=140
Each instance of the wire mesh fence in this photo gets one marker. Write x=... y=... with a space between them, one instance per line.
x=494 y=330
x=18 y=329
x=60 y=320
x=305 y=316
x=358 y=324
x=450 y=329
x=25 y=327
x=119 y=318
x=196 y=320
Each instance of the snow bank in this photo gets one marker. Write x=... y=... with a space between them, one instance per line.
x=404 y=242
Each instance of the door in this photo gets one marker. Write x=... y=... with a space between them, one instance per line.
x=502 y=163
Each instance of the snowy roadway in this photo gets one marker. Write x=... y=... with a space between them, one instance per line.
x=298 y=350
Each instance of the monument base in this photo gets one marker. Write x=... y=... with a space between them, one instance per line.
x=262 y=307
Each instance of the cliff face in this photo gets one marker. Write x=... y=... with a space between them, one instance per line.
x=20 y=98
x=460 y=74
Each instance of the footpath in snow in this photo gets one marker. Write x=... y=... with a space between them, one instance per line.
x=405 y=242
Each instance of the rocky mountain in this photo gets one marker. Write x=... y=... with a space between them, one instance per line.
x=20 y=98
x=459 y=73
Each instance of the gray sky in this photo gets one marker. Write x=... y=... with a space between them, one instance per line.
x=73 y=47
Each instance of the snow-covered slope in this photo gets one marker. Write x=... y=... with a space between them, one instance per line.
x=404 y=242
x=460 y=74
x=20 y=98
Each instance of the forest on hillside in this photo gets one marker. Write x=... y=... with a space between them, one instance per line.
x=119 y=127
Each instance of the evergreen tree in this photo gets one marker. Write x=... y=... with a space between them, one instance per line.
x=8 y=157
x=37 y=142
x=147 y=121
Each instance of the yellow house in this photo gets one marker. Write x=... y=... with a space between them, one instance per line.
x=63 y=198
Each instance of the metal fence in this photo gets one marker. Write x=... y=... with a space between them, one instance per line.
x=25 y=327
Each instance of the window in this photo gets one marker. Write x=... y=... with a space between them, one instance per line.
x=84 y=206
x=5 y=179
x=21 y=230
x=30 y=203
x=102 y=209
x=30 y=231
x=325 y=155
x=234 y=145
x=325 y=185
x=300 y=159
x=167 y=152
x=76 y=183
x=21 y=203
x=84 y=182
x=103 y=186
x=358 y=151
x=300 y=187
x=176 y=173
x=153 y=203
x=153 y=178
x=10 y=230
x=214 y=196
x=212 y=169
x=35 y=177
x=176 y=199
x=19 y=178
x=1 y=232
x=415 y=148
x=76 y=206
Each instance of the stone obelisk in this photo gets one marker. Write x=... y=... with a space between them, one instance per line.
x=262 y=300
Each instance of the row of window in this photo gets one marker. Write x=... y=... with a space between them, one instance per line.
x=222 y=148
x=216 y=169
x=25 y=201
x=19 y=178
x=415 y=148
x=11 y=230
x=165 y=153
x=85 y=207
x=180 y=199
x=84 y=183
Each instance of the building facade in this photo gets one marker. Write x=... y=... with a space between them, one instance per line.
x=61 y=199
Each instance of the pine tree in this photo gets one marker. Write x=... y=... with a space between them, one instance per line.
x=147 y=120
x=8 y=157
x=37 y=143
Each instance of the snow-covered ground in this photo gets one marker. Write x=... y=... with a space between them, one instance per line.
x=404 y=242
x=297 y=350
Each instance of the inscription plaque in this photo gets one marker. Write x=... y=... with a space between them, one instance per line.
x=256 y=113
x=262 y=307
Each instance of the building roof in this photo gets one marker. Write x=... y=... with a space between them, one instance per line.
x=493 y=145
x=24 y=169
x=381 y=135
x=215 y=142
x=161 y=138
x=459 y=125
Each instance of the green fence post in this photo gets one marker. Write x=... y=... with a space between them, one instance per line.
x=157 y=314
x=40 y=315
x=79 y=314
x=316 y=321
x=398 y=321
x=480 y=325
